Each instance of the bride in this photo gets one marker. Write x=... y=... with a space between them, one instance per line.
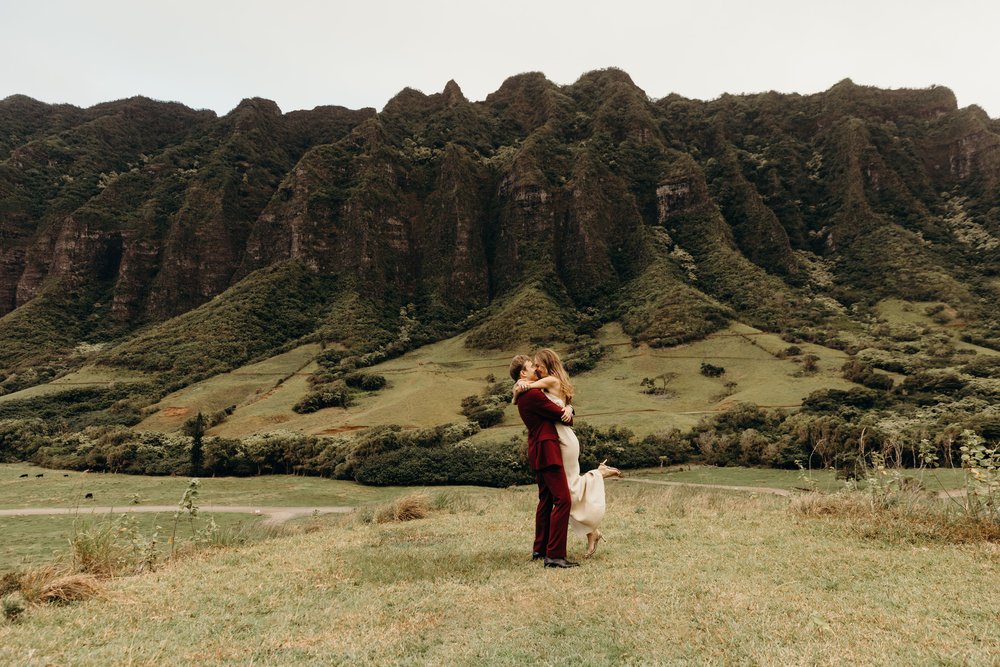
x=587 y=490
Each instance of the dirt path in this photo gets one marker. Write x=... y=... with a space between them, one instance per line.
x=273 y=516
x=947 y=493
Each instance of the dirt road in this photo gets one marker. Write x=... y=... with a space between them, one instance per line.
x=273 y=516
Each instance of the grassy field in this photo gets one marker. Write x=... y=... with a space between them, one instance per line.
x=66 y=488
x=30 y=541
x=824 y=480
x=35 y=539
x=426 y=386
x=684 y=577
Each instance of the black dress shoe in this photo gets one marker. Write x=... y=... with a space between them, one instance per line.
x=537 y=555
x=560 y=562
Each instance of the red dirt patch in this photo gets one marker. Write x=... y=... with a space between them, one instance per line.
x=174 y=412
x=275 y=419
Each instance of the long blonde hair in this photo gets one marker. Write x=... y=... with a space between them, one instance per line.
x=549 y=360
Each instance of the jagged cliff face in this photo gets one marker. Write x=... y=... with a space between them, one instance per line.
x=588 y=190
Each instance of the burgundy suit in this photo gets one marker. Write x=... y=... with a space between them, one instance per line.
x=539 y=414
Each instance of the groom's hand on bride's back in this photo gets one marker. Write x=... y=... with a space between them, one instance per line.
x=567 y=414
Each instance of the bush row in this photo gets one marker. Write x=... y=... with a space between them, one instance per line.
x=382 y=456
x=487 y=408
x=336 y=393
x=839 y=429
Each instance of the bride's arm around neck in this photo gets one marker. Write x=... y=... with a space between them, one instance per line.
x=549 y=383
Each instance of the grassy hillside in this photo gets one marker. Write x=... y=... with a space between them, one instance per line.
x=238 y=387
x=683 y=577
x=265 y=310
x=426 y=386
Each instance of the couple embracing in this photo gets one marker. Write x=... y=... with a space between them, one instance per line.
x=544 y=395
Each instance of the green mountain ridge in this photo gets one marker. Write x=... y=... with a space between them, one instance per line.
x=188 y=244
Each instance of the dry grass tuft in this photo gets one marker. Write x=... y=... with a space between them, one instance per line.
x=55 y=584
x=911 y=518
x=407 y=508
x=824 y=504
x=70 y=588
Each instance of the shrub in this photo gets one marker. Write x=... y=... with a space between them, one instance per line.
x=330 y=358
x=485 y=415
x=933 y=383
x=670 y=447
x=715 y=448
x=365 y=381
x=432 y=457
x=583 y=355
x=753 y=447
x=983 y=367
x=742 y=416
x=809 y=364
x=335 y=395
x=835 y=400
x=859 y=372
x=487 y=409
x=623 y=450
x=20 y=439
x=708 y=370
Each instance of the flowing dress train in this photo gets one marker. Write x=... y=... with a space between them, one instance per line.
x=587 y=490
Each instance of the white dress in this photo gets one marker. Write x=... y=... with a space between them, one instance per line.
x=586 y=491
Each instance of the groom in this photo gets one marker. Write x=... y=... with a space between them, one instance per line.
x=539 y=414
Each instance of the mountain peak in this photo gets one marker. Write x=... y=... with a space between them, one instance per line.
x=453 y=93
x=259 y=105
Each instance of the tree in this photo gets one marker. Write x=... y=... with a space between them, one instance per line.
x=196 y=427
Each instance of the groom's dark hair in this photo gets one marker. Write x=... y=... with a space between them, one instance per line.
x=516 y=365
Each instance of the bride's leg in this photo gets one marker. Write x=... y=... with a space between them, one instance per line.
x=593 y=537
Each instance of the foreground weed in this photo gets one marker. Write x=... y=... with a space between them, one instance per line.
x=113 y=547
x=188 y=505
x=898 y=508
x=240 y=534
x=13 y=605
x=982 y=481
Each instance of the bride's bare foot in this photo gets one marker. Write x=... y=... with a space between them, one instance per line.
x=607 y=471
x=593 y=538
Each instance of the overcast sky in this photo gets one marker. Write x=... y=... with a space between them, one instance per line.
x=305 y=53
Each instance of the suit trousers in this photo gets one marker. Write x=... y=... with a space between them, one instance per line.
x=552 y=513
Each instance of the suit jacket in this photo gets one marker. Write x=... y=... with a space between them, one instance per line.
x=539 y=414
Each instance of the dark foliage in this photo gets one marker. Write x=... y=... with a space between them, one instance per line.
x=365 y=381
x=333 y=395
x=861 y=373
x=487 y=409
x=709 y=370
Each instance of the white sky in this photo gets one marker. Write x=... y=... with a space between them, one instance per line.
x=304 y=53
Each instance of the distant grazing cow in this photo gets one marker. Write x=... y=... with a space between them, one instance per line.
x=65 y=474
x=41 y=474
x=24 y=475
x=89 y=495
